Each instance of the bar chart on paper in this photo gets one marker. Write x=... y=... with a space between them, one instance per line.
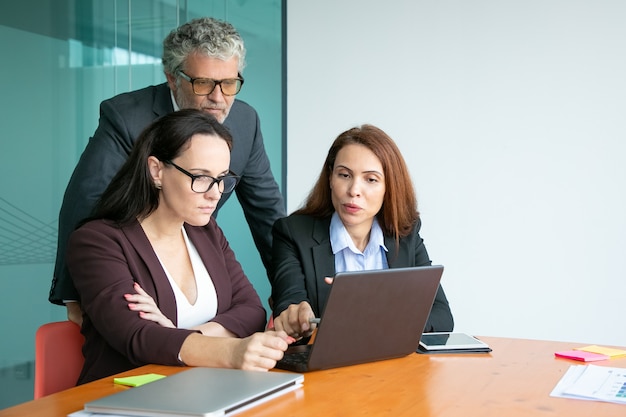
x=589 y=382
x=620 y=390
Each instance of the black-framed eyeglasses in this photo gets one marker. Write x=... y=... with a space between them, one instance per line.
x=203 y=183
x=205 y=86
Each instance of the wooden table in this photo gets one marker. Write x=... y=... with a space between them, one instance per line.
x=514 y=380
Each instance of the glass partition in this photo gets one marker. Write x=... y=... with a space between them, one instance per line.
x=61 y=58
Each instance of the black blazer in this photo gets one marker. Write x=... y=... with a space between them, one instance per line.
x=302 y=257
x=122 y=119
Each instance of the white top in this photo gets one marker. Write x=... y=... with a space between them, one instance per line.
x=205 y=307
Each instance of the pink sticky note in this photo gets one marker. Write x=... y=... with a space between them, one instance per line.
x=581 y=355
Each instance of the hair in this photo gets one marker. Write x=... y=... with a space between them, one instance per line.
x=208 y=36
x=132 y=193
x=398 y=214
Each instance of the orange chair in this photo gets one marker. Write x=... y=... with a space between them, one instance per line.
x=58 y=357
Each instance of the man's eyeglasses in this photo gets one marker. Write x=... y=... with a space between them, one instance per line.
x=205 y=86
x=203 y=183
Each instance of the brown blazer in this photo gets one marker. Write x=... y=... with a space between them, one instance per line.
x=104 y=262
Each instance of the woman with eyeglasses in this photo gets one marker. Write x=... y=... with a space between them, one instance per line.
x=157 y=279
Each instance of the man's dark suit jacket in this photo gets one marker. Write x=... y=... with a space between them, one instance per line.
x=302 y=257
x=122 y=119
x=105 y=261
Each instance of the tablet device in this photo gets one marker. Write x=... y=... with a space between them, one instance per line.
x=451 y=341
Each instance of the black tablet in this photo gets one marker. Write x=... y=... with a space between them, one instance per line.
x=451 y=341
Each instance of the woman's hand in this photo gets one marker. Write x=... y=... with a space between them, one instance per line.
x=147 y=308
x=295 y=320
x=261 y=351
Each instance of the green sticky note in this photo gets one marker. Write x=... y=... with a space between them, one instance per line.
x=135 y=381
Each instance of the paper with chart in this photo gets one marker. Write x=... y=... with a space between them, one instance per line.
x=591 y=382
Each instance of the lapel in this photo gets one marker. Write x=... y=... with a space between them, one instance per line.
x=161 y=289
x=162 y=104
x=398 y=257
x=214 y=265
x=323 y=258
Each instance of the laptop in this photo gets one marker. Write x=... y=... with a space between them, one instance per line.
x=198 y=392
x=369 y=316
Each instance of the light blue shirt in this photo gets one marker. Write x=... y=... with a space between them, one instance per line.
x=348 y=257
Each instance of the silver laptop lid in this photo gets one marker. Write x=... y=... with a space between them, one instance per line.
x=198 y=392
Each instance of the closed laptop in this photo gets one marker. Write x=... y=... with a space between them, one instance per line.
x=198 y=392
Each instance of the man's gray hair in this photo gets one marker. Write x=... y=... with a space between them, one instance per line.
x=208 y=36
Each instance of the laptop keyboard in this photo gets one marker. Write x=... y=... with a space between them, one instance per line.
x=295 y=358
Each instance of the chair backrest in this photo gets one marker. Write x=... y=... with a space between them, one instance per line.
x=58 y=357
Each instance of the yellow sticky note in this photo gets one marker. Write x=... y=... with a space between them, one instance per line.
x=611 y=352
x=135 y=381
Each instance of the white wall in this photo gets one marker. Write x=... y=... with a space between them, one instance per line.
x=512 y=117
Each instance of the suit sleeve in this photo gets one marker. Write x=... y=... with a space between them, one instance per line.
x=288 y=278
x=440 y=319
x=259 y=195
x=105 y=153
